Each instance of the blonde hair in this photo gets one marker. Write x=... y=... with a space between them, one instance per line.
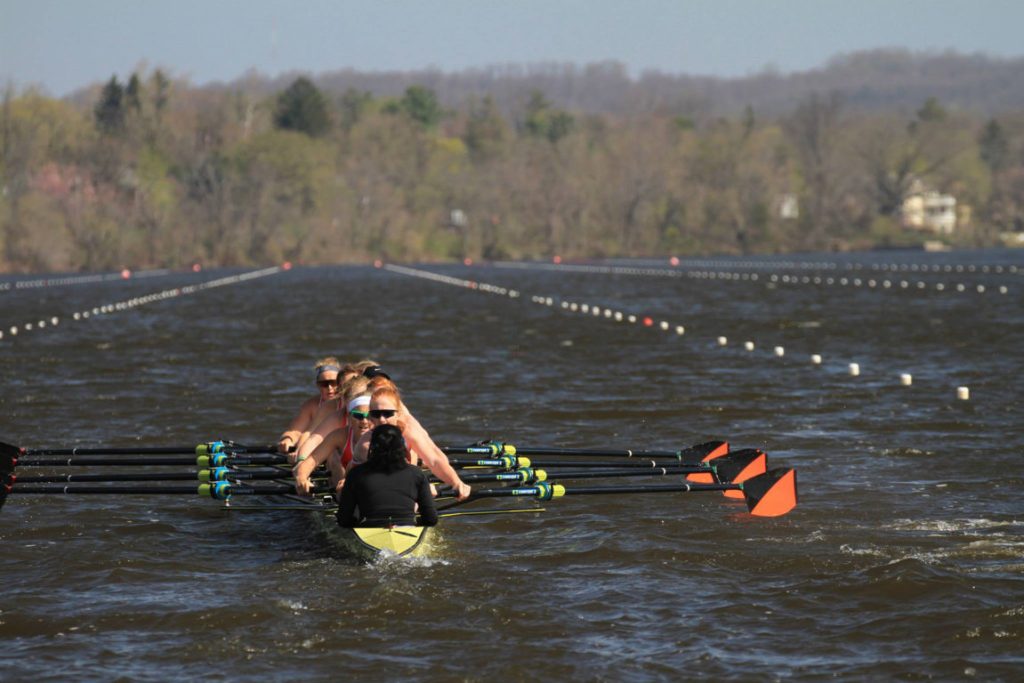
x=355 y=386
x=329 y=360
x=360 y=366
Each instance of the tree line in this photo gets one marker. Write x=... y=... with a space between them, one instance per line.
x=153 y=172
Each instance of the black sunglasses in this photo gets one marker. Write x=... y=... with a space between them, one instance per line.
x=382 y=414
x=324 y=383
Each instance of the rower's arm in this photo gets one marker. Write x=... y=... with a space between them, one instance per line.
x=437 y=462
x=433 y=457
x=317 y=436
x=316 y=418
x=304 y=470
x=290 y=437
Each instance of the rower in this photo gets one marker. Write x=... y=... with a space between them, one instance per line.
x=337 y=447
x=328 y=371
x=386 y=407
x=386 y=489
x=326 y=422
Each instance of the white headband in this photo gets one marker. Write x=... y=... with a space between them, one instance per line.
x=359 y=401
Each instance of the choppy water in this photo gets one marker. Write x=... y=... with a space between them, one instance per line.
x=905 y=558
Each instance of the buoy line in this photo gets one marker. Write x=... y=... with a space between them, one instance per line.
x=120 y=276
x=53 y=321
x=770 y=279
x=728 y=264
x=853 y=369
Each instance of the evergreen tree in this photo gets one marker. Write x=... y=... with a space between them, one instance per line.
x=421 y=105
x=133 y=93
x=994 y=147
x=109 y=111
x=303 y=108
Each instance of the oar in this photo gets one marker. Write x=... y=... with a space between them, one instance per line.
x=216 y=474
x=202 y=461
x=220 y=490
x=208 y=448
x=770 y=494
x=735 y=467
x=694 y=454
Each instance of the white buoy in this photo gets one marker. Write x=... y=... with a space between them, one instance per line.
x=565 y=304
x=749 y=346
x=680 y=330
x=664 y=325
x=618 y=316
x=779 y=351
x=27 y=327
x=77 y=315
x=722 y=341
x=963 y=393
x=631 y=318
x=854 y=369
x=54 y=320
x=14 y=330
x=906 y=380
x=585 y=308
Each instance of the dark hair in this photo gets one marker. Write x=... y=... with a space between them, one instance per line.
x=387 y=449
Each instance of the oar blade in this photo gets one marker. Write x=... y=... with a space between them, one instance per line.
x=734 y=467
x=771 y=494
x=703 y=452
x=747 y=463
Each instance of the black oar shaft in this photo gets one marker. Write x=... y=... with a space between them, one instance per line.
x=201 y=475
x=195 y=449
x=692 y=454
x=508 y=461
x=202 y=460
x=147 y=490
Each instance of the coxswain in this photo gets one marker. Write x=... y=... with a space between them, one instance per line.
x=386 y=490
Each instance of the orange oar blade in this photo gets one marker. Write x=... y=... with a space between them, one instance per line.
x=771 y=494
x=741 y=466
x=734 y=467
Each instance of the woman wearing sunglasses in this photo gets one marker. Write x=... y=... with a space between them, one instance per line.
x=386 y=490
x=386 y=408
x=327 y=421
x=337 y=448
x=329 y=375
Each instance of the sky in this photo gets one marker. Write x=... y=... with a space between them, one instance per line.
x=63 y=45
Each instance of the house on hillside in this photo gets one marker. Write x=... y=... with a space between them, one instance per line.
x=928 y=210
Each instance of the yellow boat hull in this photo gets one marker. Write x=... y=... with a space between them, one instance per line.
x=373 y=541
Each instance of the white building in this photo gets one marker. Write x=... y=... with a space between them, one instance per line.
x=928 y=210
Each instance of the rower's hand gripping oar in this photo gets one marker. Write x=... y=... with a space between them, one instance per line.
x=771 y=494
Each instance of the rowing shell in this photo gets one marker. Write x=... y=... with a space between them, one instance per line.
x=366 y=543
x=373 y=542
